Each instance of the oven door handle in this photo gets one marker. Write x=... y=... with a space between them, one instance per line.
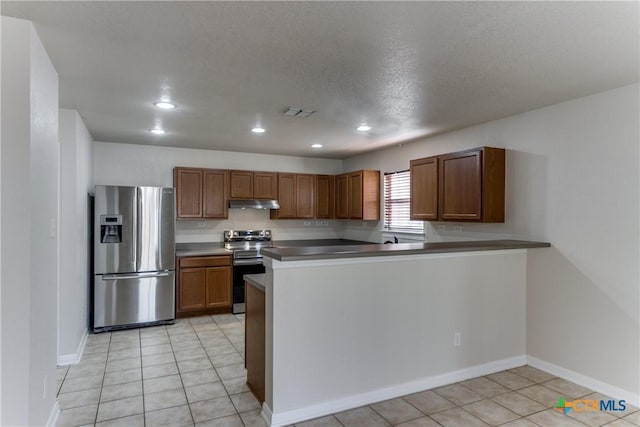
x=247 y=261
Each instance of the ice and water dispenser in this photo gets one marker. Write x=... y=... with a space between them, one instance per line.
x=110 y=228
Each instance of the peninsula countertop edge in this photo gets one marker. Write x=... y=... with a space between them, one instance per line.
x=310 y=253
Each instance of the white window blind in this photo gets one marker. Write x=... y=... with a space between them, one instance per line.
x=396 y=203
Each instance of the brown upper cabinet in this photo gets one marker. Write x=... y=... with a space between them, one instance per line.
x=324 y=196
x=215 y=193
x=253 y=185
x=205 y=193
x=358 y=195
x=295 y=196
x=201 y=193
x=342 y=196
x=188 y=183
x=305 y=196
x=424 y=189
x=470 y=186
x=287 y=197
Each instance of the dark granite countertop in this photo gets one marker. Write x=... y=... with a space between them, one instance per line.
x=201 y=249
x=257 y=280
x=217 y=248
x=371 y=249
x=316 y=242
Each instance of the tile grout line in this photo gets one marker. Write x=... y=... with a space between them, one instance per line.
x=244 y=360
x=189 y=328
x=113 y=385
x=546 y=408
x=144 y=412
x=242 y=322
x=95 y=421
x=184 y=389
x=389 y=421
x=216 y=370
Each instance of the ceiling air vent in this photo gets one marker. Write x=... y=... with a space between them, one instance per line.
x=297 y=112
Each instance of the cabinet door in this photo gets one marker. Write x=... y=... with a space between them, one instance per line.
x=370 y=198
x=493 y=184
x=188 y=183
x=355 y=195
x=241 y=185
x=215 y=193
x=304 y=196
x=265 y=185
x=342 y=196
x=255 y=340
x=324 y=185
x=191 y=289
x=218 y=287
x=286 y=196
x=460 y=186
x=424 y=189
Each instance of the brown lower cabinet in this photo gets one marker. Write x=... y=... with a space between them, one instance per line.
x=255 y=340
x=204 y=285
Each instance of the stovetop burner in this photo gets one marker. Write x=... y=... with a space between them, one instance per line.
x=247 y=242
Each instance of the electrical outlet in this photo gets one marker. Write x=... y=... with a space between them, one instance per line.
x=457 y=339
x=44 y=387
x=307 y=223
x=457 y=228
x=442 y=227
x=202 y=224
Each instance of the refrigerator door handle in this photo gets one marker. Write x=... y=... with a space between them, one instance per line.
x=134 y=276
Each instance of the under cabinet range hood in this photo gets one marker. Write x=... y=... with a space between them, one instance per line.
x=254 y=204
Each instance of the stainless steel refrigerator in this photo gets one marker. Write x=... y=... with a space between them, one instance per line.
x=134 y=257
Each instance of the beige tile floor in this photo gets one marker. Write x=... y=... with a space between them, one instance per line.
x=192 y=373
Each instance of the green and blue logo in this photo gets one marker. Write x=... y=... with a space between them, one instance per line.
x=586 y=405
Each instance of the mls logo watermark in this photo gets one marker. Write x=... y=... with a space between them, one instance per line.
x=586 y=405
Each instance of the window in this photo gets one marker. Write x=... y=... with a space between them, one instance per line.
x=396 y=203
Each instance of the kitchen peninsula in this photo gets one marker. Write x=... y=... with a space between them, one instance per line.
x=351 y=325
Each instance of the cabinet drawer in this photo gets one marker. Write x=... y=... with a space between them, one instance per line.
x=205 y=261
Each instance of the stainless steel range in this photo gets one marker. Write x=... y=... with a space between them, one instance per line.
x=246 y=245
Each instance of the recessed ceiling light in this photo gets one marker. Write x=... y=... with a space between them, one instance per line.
x=165 y=105
x=157 y=131
x=363 y=128
x=258 y=129
x=316 y=146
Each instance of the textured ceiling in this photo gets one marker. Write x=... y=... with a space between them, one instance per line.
x=409 y=69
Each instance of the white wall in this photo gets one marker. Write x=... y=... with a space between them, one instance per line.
x=572 y=180
x=128 y=164
x=29 y=221
x=349 y=332
x=76 y=181
x=16 y=237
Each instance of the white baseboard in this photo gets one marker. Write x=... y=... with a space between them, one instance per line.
x=71 y=359
x=53 y=416
x=266 y=413
x=585 y=381
x=354 y=401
